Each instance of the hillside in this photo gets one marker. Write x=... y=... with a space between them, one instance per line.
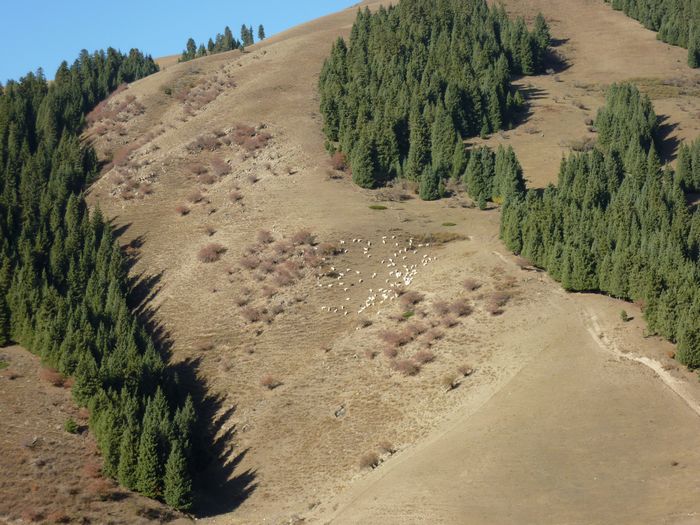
x=294 y=340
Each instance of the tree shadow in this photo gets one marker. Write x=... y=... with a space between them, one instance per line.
x=220 y=488
x=668 y=145
x=558 y=42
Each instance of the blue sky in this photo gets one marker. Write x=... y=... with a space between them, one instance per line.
x=45 y=32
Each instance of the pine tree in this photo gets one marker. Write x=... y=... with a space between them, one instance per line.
x=419 y=148
x=128 y=458
x=429 y=185
x=148 y=470
x=178 y=485
x=363 y=163
x=261 y=32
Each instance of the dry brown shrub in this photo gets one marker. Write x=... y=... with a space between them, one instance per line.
x=283 y=277
x=496 y=302
x=198 y=168
x=267 y=266
x=182 y=210
x=407 y=367
x=270 y=382
x=220 y=167
x=250 y=262
x=370 y=460
x=390 y=351
x=328 y=249
x=100 y=488
x=277 y=309
x=268 y=291
x=241 y=300
x=303 y=237
x=207 y=179
x=209 y=230
x=210 y=253
x=339 y=161
x=441 y=307
x=370 y=353
x=461 y=307
x=395 y=338
x=415 y=329
x=127 y=195
x=265 y=237
x=433 y=335
x=204 y=346
x=311 y=260
x=450 y=381
x=92 y=469
x=282 y=247
x=251 y=314
x=146 y=189
x=58 y=516
x=465 y=370
x=471 y=285
x=385 y=447
x=411 y=298
x=423 y=357
x=449 y=321
x=195 y=196
x=51 y=376
x=364 y=322
x=235 y=196
x=252 y=178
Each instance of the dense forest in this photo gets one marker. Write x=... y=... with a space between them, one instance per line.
x=63 y=279
x=620 y=224
x=417 y=78
x=676 y=21
x=222 y=42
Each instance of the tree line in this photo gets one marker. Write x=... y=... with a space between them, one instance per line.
x=619 y=223
x=63 y=278
x=417 y=78
x=676 y=21
x=222 y=42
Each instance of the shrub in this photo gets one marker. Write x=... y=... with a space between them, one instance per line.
x=211 y=252
x=386 y=447
x=390 y=352
x=369 y=461
x=407 y=367
x=100 y=488
x=450 y=381
x=433 y=335
x=198 y=168
x=207 y=178
x=465 y=370
x=395 y=338
x=283 y=277
x=268 y=381
x=51 y=376
x=496 y=302
x=460 y=307
x=209 y=230
x=471 y=285
x=623 y=316
x=250 y=262
x=195 y=196
x=235 y=196
x=370 y=353
x=424 y=357
x=70 y=426
x=377 y=207
x=303 y=237
x=265 y=237
x=339 y=161
x=220 y=167
x=182 y=210
x=251 y=314
x=411 y=298
x=328 y=249
x=449 y=321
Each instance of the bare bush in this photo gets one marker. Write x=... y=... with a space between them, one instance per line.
x=269 y=381
x=210 y=253
x=424 y=357
x=496 y=302
x=219 y=167
x=441 y=307
x=395 y=338
x=251 y=314
x=250 y=262
x=339 y=161
x=51 y=376
x=461 y=307
x=465 y=370
x=198 y=168
x=433 y=335
x=370 y=460
x=207 y=178
x=241 y=301
x=209 y=230
x=303 y=237
x=328 y=249
x=235 y=196
x=265 y=237
x=471 y=285
x=449 y=321
x=390 y=352
x=407 y=367
x=411 y=298
x=450 y=381
x=195 y=196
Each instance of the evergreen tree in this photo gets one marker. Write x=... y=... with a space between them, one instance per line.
x=178 y=485
x=429 y=184
x=363 y=163
x=149 y=477
x=261 y=32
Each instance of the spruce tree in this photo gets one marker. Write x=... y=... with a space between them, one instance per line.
x=127 y=473
x=261 y=32
x=177 y=483
x=149 y=477
x=429 y=184
x=363 y=163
